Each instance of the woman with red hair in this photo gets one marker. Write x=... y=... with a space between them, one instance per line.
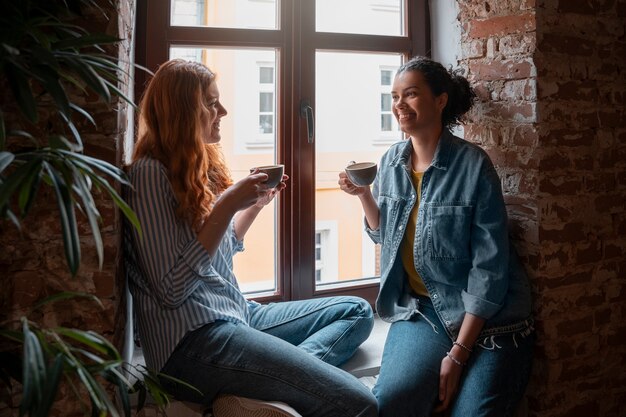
x=193 y=321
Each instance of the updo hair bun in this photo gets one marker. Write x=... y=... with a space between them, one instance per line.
x=461 y=98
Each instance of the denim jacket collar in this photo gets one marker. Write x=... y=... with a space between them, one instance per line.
x=440 y=159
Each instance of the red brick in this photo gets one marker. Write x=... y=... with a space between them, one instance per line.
x=582 y=160
x=562 y=210
x=473 y=49
x=508 y=69
x=502 y=25
x=555 y=160
x=570 y=232
x=569 y=137
x=562 y=185
x=518 y=44
x=617 y=336
x=583 y=118
x=588 y=409
x=519 y=112
x=569 y=45
x=592 y=7
x=600 y=182
x=611 y=118
x=571 y=281
x=519 y=90
x=558 y=258
x=602 y=316
x=612 y=250
x=588 y=253
x=577 y=91
x=609 y=203
x=573 y=327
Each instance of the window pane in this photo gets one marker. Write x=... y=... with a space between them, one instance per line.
x=243 y=14
x=386 y=77
x=385 y=122
x=266 y=75
x=344 y=135
x=266 y=102
x=245 y=147
x=385 y=102
x=266 y=124
x=380 y=17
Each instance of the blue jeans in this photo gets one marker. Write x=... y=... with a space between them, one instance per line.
x=492 y=383
x=288 y=353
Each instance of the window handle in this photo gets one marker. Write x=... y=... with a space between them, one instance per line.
x=307 y=111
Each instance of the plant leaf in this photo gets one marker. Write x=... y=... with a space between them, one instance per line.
x=83 y=112
x=53 y=377
x=93 y=216
x=69 y=227
x=33 y=370
x=21 y=91
x=15 y=180
x=5 y=160
x=91 y=339
x=66 y=295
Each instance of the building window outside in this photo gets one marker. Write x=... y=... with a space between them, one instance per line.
x=326 y=252
x=389 y=131
x=266 y=100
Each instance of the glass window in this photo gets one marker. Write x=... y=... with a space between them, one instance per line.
x=358 y=16
x=266 y=75
x=347 y=130
x=336 y=60
x=241 y=14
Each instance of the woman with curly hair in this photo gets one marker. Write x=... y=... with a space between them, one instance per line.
x=456 y=294
x=194 y=323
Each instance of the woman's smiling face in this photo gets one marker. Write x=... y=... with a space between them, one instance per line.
x=213 y=113
x=414 y=105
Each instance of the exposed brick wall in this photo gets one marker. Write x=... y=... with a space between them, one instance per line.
x=32 y=264
x=551 y=76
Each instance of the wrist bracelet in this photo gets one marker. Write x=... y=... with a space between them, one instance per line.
x=462 y=346
x=455 y=360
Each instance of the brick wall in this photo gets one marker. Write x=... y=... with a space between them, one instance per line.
x=33 y=263
x=551 y=76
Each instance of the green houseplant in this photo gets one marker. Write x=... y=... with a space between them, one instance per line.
x=46 y=60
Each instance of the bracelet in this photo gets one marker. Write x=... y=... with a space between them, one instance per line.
x=455 y=360
x=462 y=346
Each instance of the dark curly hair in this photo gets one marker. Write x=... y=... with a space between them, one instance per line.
x=461 y=95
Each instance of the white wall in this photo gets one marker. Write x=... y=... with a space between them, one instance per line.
x=445 y=32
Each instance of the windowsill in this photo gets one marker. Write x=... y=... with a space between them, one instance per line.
x=365 y=362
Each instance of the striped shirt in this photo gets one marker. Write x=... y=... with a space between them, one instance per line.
x=176 y=285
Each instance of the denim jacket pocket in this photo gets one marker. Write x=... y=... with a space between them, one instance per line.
x=449 y=231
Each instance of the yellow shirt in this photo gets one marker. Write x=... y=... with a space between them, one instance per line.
x=406 y=247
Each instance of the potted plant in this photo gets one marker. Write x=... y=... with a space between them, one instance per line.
x=46 y=61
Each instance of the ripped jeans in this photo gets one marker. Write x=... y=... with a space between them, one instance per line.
x=492 y=383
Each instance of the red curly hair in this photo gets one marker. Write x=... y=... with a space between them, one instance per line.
x=170 y=117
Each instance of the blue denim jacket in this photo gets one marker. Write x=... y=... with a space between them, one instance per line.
x=461 y=248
